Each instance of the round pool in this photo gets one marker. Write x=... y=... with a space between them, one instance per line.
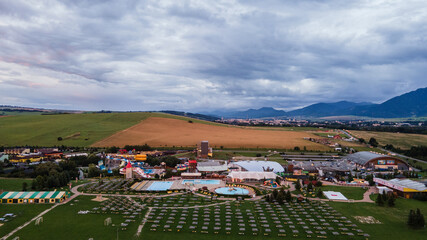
x=232 y=191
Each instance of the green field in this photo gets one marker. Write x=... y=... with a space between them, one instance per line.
x=355 y=193
x=393 y=219
x=18 y=113
x=63 y=222
x=23 y=212
x=75 y=129
x=14 y=184
x=399 y=140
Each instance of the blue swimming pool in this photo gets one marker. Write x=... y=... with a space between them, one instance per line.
x=232 y=191
x=160 y=186
x=201 y=181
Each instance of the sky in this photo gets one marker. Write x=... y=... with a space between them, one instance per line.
x=203 y=56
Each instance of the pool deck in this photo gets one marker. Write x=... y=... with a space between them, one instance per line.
x=177 y=185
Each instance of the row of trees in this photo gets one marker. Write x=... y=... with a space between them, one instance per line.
x=170 y=161
x=280 y=196
x=416 y=219
x=51 y=175
x=415 y=151
x=310 y=186
x=144 y=147
x=85 y=161
x=385 y=198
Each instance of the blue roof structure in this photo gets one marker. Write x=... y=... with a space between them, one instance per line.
x=260 y=166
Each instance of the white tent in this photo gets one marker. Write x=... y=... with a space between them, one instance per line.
x=334 y=195
x=252 y=175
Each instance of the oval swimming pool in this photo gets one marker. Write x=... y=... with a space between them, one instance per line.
x=232 y=191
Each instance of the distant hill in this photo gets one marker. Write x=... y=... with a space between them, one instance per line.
x=252 y=113
x=412 y=104
x=328 y=109
x=192 y=115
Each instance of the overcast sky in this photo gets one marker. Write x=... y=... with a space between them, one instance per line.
x=208 y=55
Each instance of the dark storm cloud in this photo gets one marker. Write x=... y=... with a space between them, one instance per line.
x=201 y=55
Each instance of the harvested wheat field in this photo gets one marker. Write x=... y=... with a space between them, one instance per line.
x=157 y=131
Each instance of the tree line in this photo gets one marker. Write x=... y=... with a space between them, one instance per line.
x=51 y=175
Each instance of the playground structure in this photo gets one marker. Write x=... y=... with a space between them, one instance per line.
x=182 y=167
x=271 y=183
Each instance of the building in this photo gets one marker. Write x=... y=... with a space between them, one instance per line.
x=33 y=197
x=212 y=166
x=4 y=157
x=377 y=162
x=70 y=155
x=257 y=166
x=246 y=176
x=129 y=170
x=204 y=151
x=405 y=188
x=16 y=151
x=192 y=165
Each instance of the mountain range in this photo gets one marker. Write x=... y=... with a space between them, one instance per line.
x=411 y=104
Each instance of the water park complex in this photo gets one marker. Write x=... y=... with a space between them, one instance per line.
x=215 y=198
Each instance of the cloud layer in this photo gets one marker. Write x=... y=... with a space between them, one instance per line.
x=207 y=55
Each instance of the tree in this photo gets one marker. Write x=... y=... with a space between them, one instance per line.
x=390 y=201
x=416 y=219
x=93 y=171
x=24 y=186
x=309 y=186
x=350 y=178
x=319 y=193
x=379 y=201
x=288 y=196
x=411 y=218
x=420 y=221
x=373 y=142
x=298 y=185
x=275 y=193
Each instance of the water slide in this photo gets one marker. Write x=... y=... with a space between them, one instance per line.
x=140 y=172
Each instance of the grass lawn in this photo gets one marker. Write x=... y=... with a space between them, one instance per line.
x=355 y=193
x=393 y=219
x=63 y=222
x=14 y=184
x=23 y=212
x=401 y=140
